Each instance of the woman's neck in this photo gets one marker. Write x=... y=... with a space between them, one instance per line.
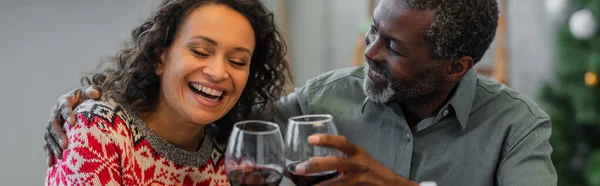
x=174 y=128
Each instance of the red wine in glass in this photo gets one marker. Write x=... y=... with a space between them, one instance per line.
x=310 y=179
x=255 y=154
x=254 y=176
x=298 y=149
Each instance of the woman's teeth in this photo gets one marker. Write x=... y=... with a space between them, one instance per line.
x=207 y=90
x=206 y=93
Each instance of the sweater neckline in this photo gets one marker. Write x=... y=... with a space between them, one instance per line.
x=208 y=148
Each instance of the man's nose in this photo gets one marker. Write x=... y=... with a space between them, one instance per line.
x=374 y=51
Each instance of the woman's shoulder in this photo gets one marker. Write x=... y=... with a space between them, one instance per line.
x=100 y=135
x=106 y=107
x=105 y=115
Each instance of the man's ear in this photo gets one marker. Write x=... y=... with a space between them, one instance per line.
x=459 y=67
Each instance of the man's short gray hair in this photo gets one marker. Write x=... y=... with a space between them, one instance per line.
x=460 y=27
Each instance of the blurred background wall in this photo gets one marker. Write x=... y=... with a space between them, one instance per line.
x=47 y=45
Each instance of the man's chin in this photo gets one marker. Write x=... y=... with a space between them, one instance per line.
x=377 y=99
x=375 y=94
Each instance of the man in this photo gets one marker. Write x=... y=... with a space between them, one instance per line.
x=417 y=111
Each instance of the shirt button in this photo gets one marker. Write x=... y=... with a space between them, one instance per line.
x=445 y=113
x=408 y=137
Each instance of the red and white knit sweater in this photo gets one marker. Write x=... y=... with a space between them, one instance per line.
x=111 y=145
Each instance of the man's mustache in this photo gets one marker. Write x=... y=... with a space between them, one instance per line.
x=376 y=67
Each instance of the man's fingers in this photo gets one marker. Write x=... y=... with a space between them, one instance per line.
x=57 y=135
x=53 y=146
x=54 y=116
x=73 y=99
x=54 y=112
x=322 y=164
x=92 y=92
x=49 y=155
x=65 y=108
x=333 y=141
x=339 y=181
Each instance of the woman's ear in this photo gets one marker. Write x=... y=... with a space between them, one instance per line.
x=160 y=66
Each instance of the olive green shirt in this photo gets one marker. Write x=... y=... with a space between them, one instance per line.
x=487 y=134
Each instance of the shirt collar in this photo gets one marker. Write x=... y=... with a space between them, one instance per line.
x=461 y=100
x=463 y=97
x=362 y=110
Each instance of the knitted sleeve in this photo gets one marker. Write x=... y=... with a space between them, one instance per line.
x=93 y=156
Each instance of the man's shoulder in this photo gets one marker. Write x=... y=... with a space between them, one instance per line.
x=512 y=117
x=352 y=75
x=511 y=103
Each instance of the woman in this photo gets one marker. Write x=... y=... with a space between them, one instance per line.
x=192 y=69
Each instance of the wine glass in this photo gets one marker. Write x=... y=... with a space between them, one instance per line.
x=255 y=154
x=298 y=149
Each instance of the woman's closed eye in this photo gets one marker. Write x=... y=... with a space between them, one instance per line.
x=201 y=52
x=238 y=61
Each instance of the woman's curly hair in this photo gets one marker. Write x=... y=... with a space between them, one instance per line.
x=133 y=77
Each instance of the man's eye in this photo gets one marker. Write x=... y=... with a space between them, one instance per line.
x=394 y=52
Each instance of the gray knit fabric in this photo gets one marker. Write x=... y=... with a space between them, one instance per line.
x=168 y=150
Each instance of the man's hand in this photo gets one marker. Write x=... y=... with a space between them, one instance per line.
x=55 y=138
x=358 y=168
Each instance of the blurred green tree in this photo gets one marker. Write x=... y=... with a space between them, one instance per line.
x=572 y=99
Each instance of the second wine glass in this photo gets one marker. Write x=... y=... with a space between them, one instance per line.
x=298 y=149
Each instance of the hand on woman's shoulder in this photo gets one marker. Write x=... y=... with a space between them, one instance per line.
x=98 y=136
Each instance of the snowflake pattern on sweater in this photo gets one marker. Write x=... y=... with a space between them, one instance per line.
x=110 y=145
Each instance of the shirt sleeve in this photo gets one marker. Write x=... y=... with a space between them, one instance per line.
x=528 y=161
x=92 y=157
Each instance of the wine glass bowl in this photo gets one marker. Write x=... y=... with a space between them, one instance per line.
x=255 y=154
x=298 y=150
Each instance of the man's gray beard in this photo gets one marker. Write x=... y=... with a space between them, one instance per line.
x=397 y=92
x=381 y=96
